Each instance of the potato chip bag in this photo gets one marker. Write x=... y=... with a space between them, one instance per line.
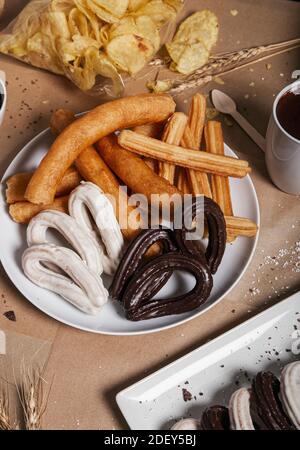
x=88 y=39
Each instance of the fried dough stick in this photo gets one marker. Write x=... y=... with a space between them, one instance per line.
x=88 y=129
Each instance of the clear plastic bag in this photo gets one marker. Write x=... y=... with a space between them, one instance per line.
x=97 y=44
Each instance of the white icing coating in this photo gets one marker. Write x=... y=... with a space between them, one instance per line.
x=83 y=289
x=81 y=241
x=290 y=391
x=186 y=424
x=239 y=410
x=90 y=197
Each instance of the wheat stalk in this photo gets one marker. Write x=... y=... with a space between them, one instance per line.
x=4 y=409
x=31 y=397
x=228 y=62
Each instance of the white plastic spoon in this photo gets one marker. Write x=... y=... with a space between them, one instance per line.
x=223 y=103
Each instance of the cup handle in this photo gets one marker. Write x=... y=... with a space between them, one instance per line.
x=2 y=76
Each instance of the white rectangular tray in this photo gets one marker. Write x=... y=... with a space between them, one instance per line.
x=212 y=372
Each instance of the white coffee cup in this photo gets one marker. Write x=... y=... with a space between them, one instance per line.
x=283 y=150
x=4 y=93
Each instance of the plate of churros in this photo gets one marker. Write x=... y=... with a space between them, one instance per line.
x=130 y=218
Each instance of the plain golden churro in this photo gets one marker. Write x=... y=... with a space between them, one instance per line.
x=153 y=130
x=197 y=114
x=192 y=159
x=220 y=184
x=23 y=212
x=172 y=134
x=17 y=184
x=92 y=168
x=238 y=226
x=183 y=181
x=198 y=180
x=60 y=120
x=132 y=170
x=85 y=131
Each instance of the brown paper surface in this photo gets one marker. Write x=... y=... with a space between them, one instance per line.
x=90 y=369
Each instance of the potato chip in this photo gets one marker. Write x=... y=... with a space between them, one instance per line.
x=193 y=41
x=141 y=26
x=59 y=24
x=158 y=11
x=40 y=53
x=70 y=50
x=159 y=86
x=64 y=6
x=84 y=71
x=129 y=52
x=147 y=29
x=133 y=5
x=109 y=11
x=94 y=21
x=78 y=23
x=191 y=58
x=126 y=25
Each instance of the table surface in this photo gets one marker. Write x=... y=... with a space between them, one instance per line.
x=86 y=370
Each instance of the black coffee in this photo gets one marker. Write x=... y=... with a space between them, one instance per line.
x=1 y=100
x=288 y=113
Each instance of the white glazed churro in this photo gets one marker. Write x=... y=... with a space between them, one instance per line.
x=290 y=391
x=83 y=289
x=239 y=410
x=68 y=227
x=109 y=234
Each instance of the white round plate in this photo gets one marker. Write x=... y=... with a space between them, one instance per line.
x=111 y=319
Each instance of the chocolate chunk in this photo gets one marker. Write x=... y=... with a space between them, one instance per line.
x=187 y=396
x=215 y=418
x=10 y=315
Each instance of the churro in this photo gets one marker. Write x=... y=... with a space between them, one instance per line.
x=153 y=130
x=172 y=134
x=17 y=184
x=239 y=226
x=85 y=131
x=106 y=235
x=82 y=287
x=220 y=184
x=92 y=168
x=198 y=180
x=73 y=233
x=192 y=159
x=197 y=114
x=60 y=120
x=23 y=212
x=132 y=170
x=183 y=181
